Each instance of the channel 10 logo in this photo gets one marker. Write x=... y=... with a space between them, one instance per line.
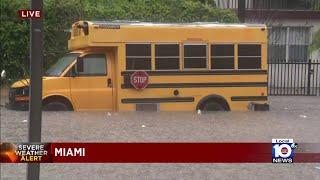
x=283 y=150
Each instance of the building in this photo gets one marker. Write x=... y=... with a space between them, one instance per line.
x=292 y=25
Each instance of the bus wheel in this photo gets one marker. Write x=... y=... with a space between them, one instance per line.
x=57 y=104
x=213 y=103
x=213 y=106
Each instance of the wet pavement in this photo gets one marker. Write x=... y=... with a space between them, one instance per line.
x=289 y=117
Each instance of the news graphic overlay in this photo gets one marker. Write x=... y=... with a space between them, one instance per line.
x=40 y=152
x=24 y=152
x=283 y=150
x=139 y=79
x=29 y=14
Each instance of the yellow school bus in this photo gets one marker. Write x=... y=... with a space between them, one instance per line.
x=136 y=66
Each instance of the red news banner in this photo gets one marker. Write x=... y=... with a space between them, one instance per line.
x=145 y=153
x=29 y=14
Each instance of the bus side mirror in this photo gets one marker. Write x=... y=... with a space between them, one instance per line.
x=3 y=74
x=79 y=64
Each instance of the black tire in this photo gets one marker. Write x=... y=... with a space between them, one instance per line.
x=57 y=105
x=210 y=106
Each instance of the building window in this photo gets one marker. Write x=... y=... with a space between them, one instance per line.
x=249 y=56
x=222 y=56
x=195 y=56
x=282 y=4
x=288 y=44
x=92 y=65
x=138 y=56
x=166 y=56
x=299 y=38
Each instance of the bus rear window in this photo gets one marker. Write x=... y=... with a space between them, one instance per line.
x=222 y=56
x=249 y=56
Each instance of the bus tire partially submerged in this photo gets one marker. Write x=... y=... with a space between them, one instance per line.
x=57 y=103
x=213 y=103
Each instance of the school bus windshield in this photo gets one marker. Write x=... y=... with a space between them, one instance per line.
x=61 y=64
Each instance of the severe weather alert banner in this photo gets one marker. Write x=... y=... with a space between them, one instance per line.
x=159 y=152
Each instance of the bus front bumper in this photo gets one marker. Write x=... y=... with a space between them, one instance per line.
x=17 y=102
x=18 y=105
x=21 y=106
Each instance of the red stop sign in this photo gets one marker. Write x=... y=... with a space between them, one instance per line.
x=139 y=79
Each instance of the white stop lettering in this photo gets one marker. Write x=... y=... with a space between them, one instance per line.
x=139 y=79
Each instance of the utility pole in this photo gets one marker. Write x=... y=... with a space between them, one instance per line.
x=242 y=10
x=35 y=91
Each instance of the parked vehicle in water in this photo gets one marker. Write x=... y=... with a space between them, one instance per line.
x=135 y=66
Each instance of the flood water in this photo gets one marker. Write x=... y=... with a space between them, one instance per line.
x=289 y=117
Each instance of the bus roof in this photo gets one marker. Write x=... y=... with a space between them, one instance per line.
x=86 y=34
x=193 y=24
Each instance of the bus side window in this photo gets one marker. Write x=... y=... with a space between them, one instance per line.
x=167 y=56
x=222 y=56
x=92 y=65
x=138 y=56
x=195 y=56
x=249 y=56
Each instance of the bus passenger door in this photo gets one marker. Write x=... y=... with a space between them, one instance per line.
x=91 y=89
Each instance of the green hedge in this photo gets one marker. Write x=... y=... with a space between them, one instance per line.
x=60 y=14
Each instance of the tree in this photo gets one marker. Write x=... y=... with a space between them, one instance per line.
x=315 y=42
x=14 y=38
x=59 y=16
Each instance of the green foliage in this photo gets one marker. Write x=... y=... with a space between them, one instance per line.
x=157 y=11
x=316 y=5
x=14 y=38
x=315 y=42
x=60 y=14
